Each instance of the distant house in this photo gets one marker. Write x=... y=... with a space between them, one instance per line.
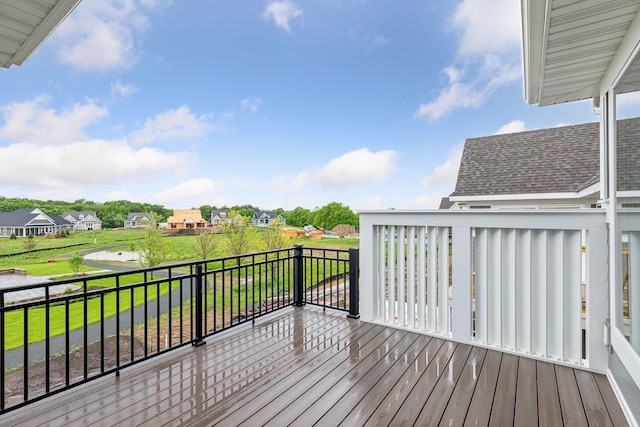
x=26 y=221
x=267 y=218
x=221 y=217
x=546 y=168
x=83 y=221
x=138 y=220
x=185 y=219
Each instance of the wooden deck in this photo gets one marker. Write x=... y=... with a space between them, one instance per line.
x=303 y=366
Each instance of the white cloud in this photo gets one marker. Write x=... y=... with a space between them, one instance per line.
x=512 y=127
x=489 y=77
x=122 y=91
x=483 y=25
x=195 y=192
x=488 y=48
x=52 y=153
x=357 y=167
x=66 y=193
x=252 y=104
x=289 y=184
x=380 y=40
x=377 y=41
x=34 y=122
x=88 y=162
x=426 y=201
x=374 y=203
x=100 y=35
x=113 y=195
x=172 y=125
x=446 y=173
x=350 y=169
x=281 y=12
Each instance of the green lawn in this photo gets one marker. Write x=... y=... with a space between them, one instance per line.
x=54 y=262
x=14 y=320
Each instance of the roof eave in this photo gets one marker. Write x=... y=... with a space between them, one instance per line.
x=48 y=24
x=533 y=25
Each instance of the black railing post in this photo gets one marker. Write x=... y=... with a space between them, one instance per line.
x=354 y=283
x=298 y=265
x=198 y=341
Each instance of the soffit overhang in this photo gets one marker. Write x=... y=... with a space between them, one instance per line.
x=25 y=24
x=568 y=46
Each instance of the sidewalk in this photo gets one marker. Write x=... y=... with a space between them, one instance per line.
x=8 y=281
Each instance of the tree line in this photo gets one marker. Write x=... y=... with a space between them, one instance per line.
x=114 y=213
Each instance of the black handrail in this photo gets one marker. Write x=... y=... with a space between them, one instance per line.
x=120 y=317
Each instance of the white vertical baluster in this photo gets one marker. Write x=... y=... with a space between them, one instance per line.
x=382 y=273
x=539 y=292
x=481 y=285
x=555 y=294
x=523 y=291
x=391 y=287
x=432 y=281
x=443 y=280
x=411 y=280
x=508 y=304
x=572 y=296
x=461 y=253
x=597 y=252
x=402 y=320
x=422 y=278
x=634 y=287
x=494 y=291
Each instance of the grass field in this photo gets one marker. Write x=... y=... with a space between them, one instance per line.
x=53 y=261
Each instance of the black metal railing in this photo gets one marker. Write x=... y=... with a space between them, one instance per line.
x=61 y=334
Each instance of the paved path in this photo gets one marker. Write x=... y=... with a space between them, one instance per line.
x=36 y=351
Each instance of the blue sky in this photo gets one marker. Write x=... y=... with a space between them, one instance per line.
x=272 y=103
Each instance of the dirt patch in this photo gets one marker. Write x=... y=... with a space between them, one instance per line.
x=14 y=380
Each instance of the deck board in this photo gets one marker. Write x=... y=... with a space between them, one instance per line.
x=479 y=410
x=504 y=401
x=549 y=412
x=303 y=366
x=456 y=409
x=526 y=397
x=570 y=397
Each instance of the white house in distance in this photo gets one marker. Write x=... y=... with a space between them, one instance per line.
x=83 y=221
x=220 y=217
x=547 y=168
x=138 y=220
x=266 y=218
x=30 y=221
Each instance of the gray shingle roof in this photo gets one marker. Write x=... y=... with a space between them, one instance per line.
x=76 y=215
x=22 y=217
x=138 y=216
x=554 y=160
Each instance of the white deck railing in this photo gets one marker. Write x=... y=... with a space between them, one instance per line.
x=527 y=282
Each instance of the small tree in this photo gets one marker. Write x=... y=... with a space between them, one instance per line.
x=272 y=237
x=153 y=249
x=30 y=243
x=238 y=235
x=205 y=243
x=75 y=262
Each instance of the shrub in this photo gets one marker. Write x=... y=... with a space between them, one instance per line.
x=13 y=236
